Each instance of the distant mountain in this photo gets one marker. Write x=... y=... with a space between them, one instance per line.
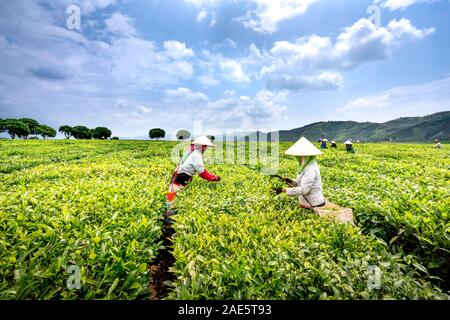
x=435 y=126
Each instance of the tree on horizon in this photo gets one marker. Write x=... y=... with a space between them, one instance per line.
x=66 y=130
x=156 y=133
x=183 y=134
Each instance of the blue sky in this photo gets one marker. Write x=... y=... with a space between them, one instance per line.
x=237 y=65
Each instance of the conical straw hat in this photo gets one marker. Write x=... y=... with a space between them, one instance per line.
x=203 y=141
x=348 y=142
x=303 y=148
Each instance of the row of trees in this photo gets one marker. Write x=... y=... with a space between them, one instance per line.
x=182 y=134
x=25 y=127
x=82 y=132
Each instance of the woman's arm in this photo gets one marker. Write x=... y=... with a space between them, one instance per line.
x=201 y=170
x=308 y=179
x=197 y=163
x=209 y=176
x=291 y=183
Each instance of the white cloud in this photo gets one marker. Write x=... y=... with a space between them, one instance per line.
x=202 y=3
x=120 y=24
x=177 y=50
x=232 y=71
x=209 y=17
x=3 y=42
x=264 y=18
x=230 y=111
x=312 y=62
x=372 y=102
x=255 y=52
x=139 y=63
x=202 y=16
x=207 y=81
x=132 y=118
x=231 y=43
x=269 y=13
x=403 y=30
x=143 y=110
x=121 y=104
x=125 y=62
x=225 y=44
x=215 y=66
x=185 y=95
x=410 y=100
x=400 y=4
x=395 y=4
x=243 y=113
x=92 y=5
x=363 y=42
x=213 y=21
x=86 y=6
x=322 y=81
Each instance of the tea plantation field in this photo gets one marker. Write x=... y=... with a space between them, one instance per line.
x=99 y=205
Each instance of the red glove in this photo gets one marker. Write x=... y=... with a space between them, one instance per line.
x=209 y=176
x=170 y=196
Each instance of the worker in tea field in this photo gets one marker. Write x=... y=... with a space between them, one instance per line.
x=438 y=144
x=308 y=185
x=189 y=165
x=349 y=146
x=333 y=145
x=324 y=144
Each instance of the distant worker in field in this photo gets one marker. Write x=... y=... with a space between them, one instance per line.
x=438 y=144
x=349 y=146
x=308 y=185
x=324 y=144
x=189 y=165
x=333 y=144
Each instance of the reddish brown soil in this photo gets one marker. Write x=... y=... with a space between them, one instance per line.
x=159 y=269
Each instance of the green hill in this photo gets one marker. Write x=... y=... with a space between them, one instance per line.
x=435 y=126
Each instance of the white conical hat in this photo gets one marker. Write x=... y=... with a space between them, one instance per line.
x=326 y=140
x=203 y=141
x=348 y=142
x=303 y=148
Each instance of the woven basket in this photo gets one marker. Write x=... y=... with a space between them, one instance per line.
x=335 y=212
